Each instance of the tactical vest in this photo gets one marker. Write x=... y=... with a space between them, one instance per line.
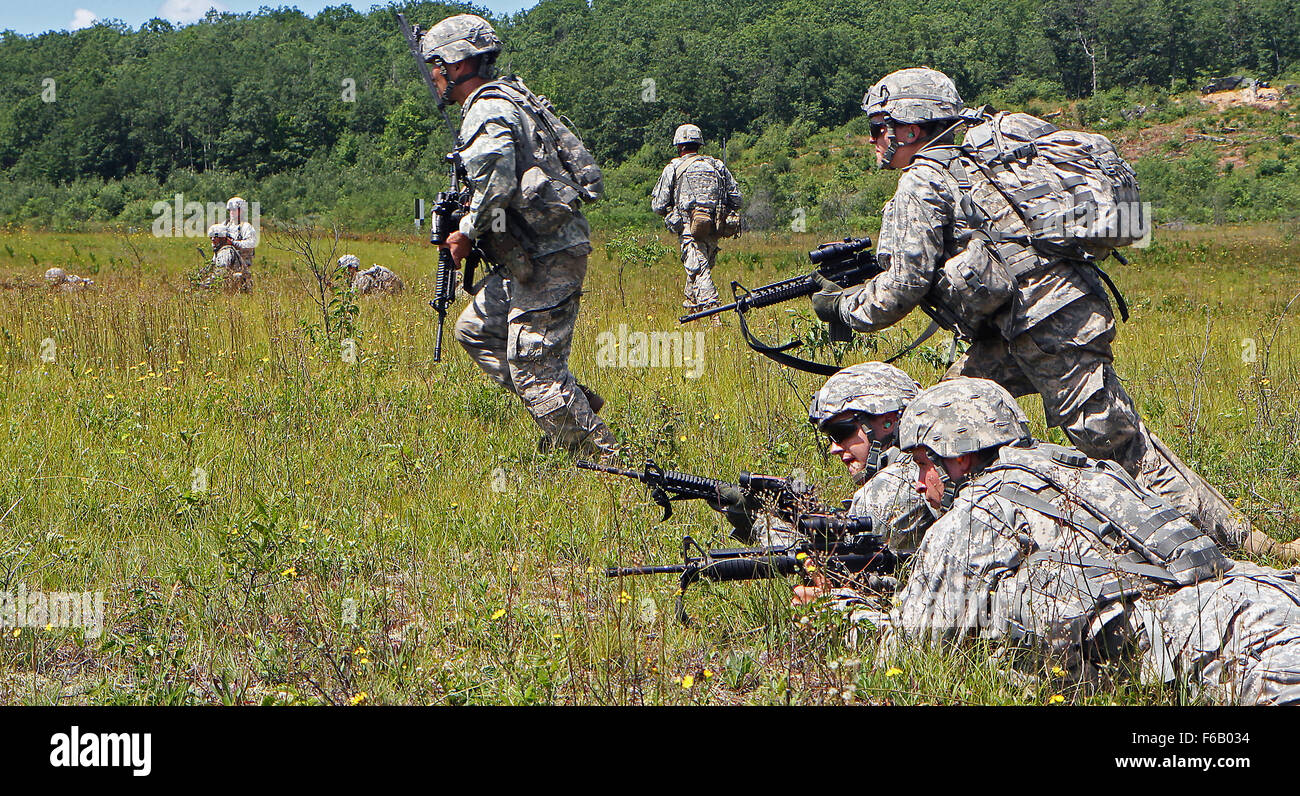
x=556 y=172
x=1145 y=537
x=1079 y=609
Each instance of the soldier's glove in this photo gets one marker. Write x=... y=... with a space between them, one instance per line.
x=738 y=508
x=826 y=303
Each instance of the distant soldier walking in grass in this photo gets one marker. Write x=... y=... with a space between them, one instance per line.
x=1037 y=313
x=64 y=282
x=528 y=174
x=374 y=280
x=700 y=201
x=228 y=268
x=243 y=236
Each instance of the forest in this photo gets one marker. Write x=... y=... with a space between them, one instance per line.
x=325 y=114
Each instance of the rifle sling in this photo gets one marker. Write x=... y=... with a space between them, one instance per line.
x=777 y=353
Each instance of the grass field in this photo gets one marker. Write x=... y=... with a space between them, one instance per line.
x=270 y=524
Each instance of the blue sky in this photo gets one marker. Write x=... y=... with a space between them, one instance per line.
x=38 y=17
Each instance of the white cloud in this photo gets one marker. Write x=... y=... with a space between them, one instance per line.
x=82 y=18
x=188 y=10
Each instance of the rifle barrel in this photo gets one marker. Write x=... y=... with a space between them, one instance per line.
x=605 y=468
x=665 y=569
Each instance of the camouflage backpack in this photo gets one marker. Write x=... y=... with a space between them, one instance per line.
x=702 y=181
x=582 y=171
x=1071 y=193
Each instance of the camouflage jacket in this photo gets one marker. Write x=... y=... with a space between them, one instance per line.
x=928 y=221
x=376 y=279
x=500 y=141
x=677 y=192
x=243 y=236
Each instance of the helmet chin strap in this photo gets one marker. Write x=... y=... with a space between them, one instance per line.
x=888 y=158
x=875 y=454
x=950 y=484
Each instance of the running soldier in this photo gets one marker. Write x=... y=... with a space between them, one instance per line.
x=1052 y=337
x=700 y=201
x=529 y=174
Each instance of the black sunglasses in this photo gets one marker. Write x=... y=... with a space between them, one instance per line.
x=876 y=129
x=842 y=430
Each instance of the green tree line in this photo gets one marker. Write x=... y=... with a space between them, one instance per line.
x=326 y=113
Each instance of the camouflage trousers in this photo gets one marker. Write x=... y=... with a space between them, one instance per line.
x=1067 y=360
x=520 y=332
x=698 y=255
x=1235 y=640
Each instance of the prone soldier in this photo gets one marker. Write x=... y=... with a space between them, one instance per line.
x=64 y=282
x=1066 y=560
x=375 y=279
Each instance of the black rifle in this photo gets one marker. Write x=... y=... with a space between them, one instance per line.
x=667 y=486
x=847 y=547
x=846 y=263
x=449 y=207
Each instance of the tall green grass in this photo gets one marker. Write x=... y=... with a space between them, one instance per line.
x=385 y=531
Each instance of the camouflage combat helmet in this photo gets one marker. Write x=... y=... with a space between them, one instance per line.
x=236 y=203
x=218 y=231
x=914 y=96
x=871 y=387
x=349 y=261
x=688 y=134
x=456 y=38
x=56 y=275
x=962 y=415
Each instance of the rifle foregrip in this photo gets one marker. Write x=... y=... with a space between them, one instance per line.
x=756 y=568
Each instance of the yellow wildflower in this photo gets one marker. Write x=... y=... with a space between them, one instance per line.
x=893 y=671
x=1056 y=699
x=687 y=682
x=291 y=572
x=500 y=612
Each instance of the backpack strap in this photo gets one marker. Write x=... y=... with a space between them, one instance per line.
x=519 y=95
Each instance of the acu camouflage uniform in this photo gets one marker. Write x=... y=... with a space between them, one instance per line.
x=1053 y=338
x=684 y=185
x=519 y=327
x=228 y=267
x=63 y=282
x=243 y=235
x=887 y=485
x=377 y=279
x=1065 y=558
